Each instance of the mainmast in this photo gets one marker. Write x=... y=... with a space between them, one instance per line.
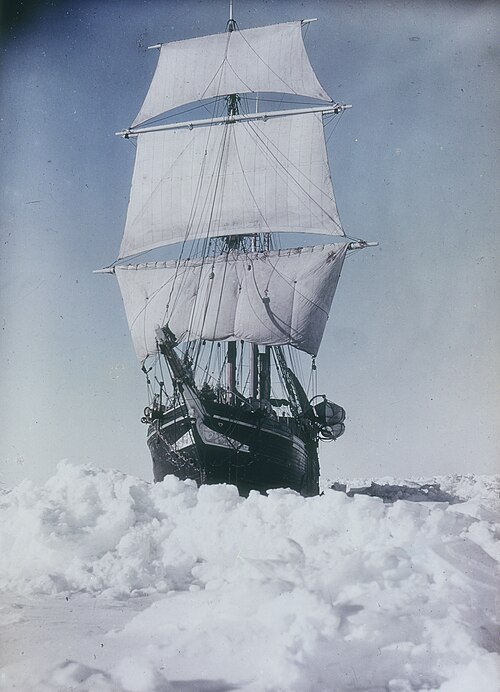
x=232 y=99
x=231 y=242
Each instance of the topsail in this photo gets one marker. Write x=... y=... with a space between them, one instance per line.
x=233 y=178
x=265 y=59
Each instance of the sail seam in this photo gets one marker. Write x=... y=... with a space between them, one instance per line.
x=292 y=90
x=267 y=148
x=248 y=184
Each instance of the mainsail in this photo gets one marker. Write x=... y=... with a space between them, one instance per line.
x=268 y=298
x=232 y=178
x=265 y=59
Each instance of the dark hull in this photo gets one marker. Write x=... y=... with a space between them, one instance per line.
x=250 y=449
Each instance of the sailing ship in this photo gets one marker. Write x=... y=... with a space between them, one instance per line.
x=219 y=325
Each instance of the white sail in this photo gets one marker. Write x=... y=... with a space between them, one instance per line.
x=233 y=178
x=275 y=298
x=266 y=59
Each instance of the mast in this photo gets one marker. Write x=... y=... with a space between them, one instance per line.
x=231 y=24
x=231 y=373
x=254 y=371
x=265 y=374
x=231 y=242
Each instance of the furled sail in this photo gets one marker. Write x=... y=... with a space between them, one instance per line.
x=273 y=298
x=233 y=178
x=266 y=59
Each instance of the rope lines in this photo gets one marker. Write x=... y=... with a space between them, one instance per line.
x=280 y=163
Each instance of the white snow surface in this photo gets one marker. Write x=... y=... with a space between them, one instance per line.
x=110 y=583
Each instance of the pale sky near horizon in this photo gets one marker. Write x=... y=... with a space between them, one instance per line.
x=411 y=349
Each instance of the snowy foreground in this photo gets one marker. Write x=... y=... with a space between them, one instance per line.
x=110 y=583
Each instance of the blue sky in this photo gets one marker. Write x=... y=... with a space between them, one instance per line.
x=411 y=348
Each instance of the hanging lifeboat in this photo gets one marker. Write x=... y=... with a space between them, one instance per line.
x=329 y=417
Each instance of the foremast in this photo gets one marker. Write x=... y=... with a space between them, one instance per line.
x=232 y=242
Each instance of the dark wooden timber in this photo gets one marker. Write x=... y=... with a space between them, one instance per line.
x=252 y=449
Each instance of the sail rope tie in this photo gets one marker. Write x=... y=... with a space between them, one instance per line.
x=336 y=124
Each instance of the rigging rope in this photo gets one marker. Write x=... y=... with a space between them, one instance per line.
x=252 y=126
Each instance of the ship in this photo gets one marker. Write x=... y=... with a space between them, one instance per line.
x=226 y=311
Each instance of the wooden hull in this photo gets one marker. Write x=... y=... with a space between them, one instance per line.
x=250 y=449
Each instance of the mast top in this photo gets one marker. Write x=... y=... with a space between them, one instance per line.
x=231 y=23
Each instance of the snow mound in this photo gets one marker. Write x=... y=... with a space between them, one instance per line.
x=271 y=593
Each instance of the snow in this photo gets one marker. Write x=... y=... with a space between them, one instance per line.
x=109 y=583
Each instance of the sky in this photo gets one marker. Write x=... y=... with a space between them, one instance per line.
x=411 y=349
